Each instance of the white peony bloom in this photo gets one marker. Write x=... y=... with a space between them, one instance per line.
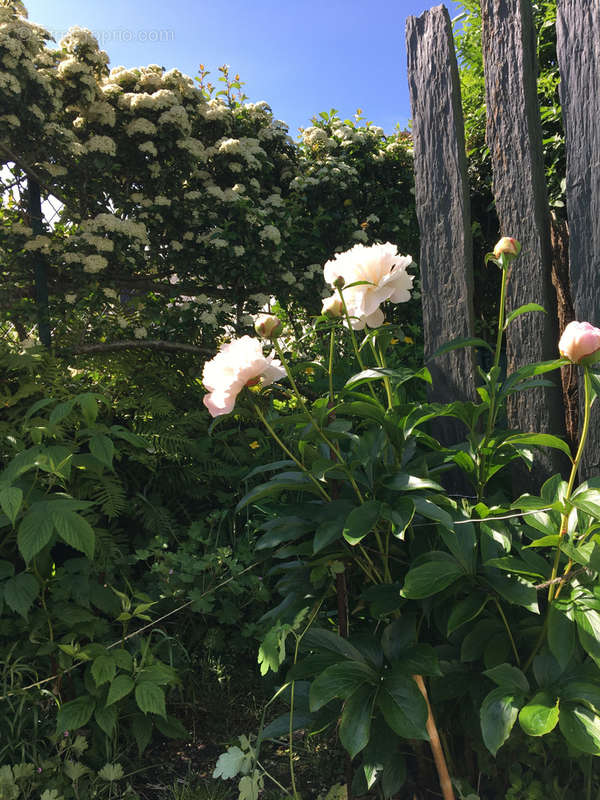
x=386 y=279
x=237 y=364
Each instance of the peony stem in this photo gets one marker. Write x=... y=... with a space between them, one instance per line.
x=355 y=343
x=564 y=520
x=501 y=310
x=330 y=371
x=328 y=442
x=436 y=745
x=289 y=453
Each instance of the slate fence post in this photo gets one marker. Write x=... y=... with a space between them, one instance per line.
x=514 y=137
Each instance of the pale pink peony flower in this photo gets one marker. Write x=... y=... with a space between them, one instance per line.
x=237 y=364
x=579 y=340
x=387 y=278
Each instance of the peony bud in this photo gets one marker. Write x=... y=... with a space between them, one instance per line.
x=332 y=307
x=339 y=282
x=508 y=246
x=579 y=341
x=268 y=326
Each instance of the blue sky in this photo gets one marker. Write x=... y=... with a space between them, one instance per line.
x=301 y=56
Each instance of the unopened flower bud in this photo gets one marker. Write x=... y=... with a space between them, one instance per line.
x=267 y=326
x=339 y=282
x=580 y=342
x=508 y=246
x=332 y=307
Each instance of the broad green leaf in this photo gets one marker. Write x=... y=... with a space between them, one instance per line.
x=587 y=501
x=60 y=411
x=11 y=498
x=120 y=687
x=103 y=669
x=418 y=659
x=529 y=371
x=539 y=440
x=150 y=698
x=546 y=669
x=320 y=639
x=561 y=635
x=456 y=344
x=274 y=465
x=403 y=706
x=580 y=727
x=123 y=658
x=540 y=715
x=327 y=533
x=462 y=543
x=280 y=726
x=465 y=610
x=20 y=592
x=587 y=694
x=172 y=728
x=403 y=482
x=588 y=628
x=35 y=531
x=295 y=481
x=430 y=578
x=141 y=727
x=400 y=513
x=508 y=677
x=361 y=521
x=497 y=715
x=102 y=448
x=340 y=680
x=430 y=510
x=516 y=565
x=6 y=570
x=89 y=406
x=158 y=673
x=514 y=589
x=106 y=719
x=119 y=432
x=75 y=530
x=546 y=541
x=396 y=376
x=355 y=722
x=522 y=310
x=56 y=459
x=75 y=714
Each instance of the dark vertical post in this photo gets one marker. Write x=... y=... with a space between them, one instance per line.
x=514 y=138
x=40 y=266
x=578 y=51
x=442 y=200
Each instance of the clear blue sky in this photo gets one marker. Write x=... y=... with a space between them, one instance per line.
x=301 y=56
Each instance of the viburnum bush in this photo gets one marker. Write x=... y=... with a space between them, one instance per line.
x=409 y=614
x=177 y=204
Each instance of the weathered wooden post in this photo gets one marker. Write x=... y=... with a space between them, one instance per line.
x=442 y=201
x=514 y=138
x=578 y=52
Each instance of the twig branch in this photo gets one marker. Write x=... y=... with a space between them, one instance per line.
x=36 y=176
x=561 y=579
x=135 y=344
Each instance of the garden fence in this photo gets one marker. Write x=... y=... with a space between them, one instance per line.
x=514 y=139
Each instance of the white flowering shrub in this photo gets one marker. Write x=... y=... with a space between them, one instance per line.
x=184 y=211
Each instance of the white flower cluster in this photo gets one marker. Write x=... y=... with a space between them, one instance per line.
x=141 y=126
x=101 y=144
